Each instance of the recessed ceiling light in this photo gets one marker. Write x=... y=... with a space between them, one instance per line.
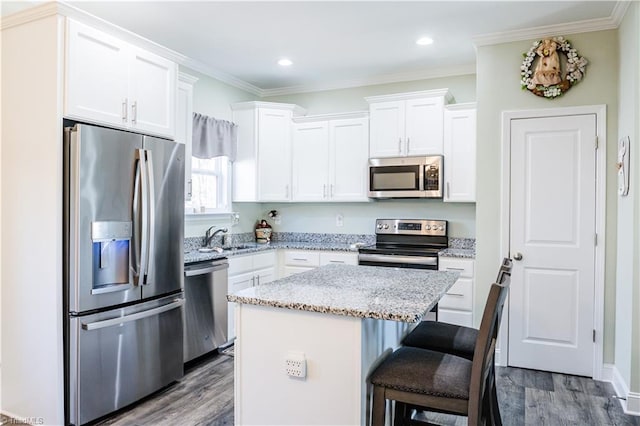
x=424 y=41
x=284 y=62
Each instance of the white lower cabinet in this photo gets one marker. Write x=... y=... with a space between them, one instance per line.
x=456 y=306
x=296 y=261
x=247 y=271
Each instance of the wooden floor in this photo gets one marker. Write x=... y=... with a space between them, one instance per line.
x=527 y=397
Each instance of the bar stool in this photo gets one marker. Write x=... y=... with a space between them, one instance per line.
x=428 y=380
x=456 y=339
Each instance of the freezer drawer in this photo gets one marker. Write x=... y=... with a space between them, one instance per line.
x=119 y=356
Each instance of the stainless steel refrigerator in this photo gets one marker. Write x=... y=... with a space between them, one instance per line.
x=123 y=233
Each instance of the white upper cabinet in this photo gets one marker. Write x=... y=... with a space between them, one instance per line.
x=330 y=154
x=460 y=153
x=348 y=153
x=184 y=125
x=111 y=82
x=310 y=165
x=262 y=170
x=407 y=124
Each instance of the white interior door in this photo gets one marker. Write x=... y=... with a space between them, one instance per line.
x=553 y=201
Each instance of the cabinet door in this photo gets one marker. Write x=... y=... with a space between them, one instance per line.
x=310 y=161
x=349 y=152
x=264 y=276
x=460 y=155
x=235 y=284
x=274 y=155
x=424 y=124
x=152 y=91
x=387 y=129
x=184 y=126
x=96 y=76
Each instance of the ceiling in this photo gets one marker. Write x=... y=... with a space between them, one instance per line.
x=334 y=43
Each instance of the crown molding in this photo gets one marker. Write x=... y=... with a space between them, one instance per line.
x=221 y=76
x=412 y=95
x=187 y=78
x=296 y=109
x=380 y=79
x=334 y=116
x=29 y=15
x=589 y=25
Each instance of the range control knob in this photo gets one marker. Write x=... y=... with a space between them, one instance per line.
x=428 y=227
x=379 y=226
x=385 y=226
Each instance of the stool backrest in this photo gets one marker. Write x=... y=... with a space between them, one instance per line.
x=505 y=268
x=484 y=353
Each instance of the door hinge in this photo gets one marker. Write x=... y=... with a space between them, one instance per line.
x=596 y=142
x=594 y=336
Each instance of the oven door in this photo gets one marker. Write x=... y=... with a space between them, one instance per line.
x=398 y=261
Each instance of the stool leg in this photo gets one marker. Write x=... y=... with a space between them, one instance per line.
x=495 y=407
x=377 y=417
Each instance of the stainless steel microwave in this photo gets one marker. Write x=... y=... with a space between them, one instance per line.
x=406 y=177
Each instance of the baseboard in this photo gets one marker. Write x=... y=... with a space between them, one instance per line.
x=631 y=402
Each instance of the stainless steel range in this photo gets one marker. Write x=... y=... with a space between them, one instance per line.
x=406 y=243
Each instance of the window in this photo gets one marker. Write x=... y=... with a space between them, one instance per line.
x=210 y=190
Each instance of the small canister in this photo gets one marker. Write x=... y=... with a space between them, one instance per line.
x=263 y=232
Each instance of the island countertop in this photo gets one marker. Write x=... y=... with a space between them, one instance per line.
x=360 y=291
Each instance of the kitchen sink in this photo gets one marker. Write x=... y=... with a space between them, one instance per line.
x=241 y=246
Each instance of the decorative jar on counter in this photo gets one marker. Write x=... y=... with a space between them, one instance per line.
x=263 y=232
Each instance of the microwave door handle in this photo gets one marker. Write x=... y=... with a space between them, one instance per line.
x=421 y=175
x=152 y=219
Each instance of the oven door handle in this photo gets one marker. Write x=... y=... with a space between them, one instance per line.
x=413 y=260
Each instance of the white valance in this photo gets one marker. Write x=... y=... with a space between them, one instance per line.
x=213 y=138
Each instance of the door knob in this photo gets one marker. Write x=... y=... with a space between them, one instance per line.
x=517 y=256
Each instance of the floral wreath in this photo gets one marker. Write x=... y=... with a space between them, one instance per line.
x=576 y=65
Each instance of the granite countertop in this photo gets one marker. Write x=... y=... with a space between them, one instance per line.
x=247 y=248
x=360 y=291
x=458 y=253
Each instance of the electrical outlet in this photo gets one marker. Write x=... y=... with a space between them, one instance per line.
x=339 y=219
x=296 y=365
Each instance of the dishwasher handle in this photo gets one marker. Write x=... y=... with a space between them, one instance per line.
x=205 y=269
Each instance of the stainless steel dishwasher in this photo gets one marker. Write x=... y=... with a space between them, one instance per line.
x=205 y=313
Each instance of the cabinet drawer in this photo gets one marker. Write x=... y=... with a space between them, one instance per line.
x=240 y=264
x=302 y=258
x=455 y=317
x=460 y=296
x=340 y=258
x=464 y=266
x=264 y=260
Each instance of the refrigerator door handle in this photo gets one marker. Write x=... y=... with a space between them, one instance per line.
x=152 y=220
x=144 y=255
x=133 y=317
x=135 y=261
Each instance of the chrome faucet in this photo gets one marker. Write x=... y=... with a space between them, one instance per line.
x=208 y=236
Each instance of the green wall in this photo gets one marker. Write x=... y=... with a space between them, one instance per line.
x=627 y=322
x=498 y=90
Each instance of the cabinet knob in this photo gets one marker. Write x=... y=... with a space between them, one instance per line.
x=134 y=112
x=399 y=145
x=125 y=108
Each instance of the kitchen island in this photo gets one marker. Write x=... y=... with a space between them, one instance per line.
x=341 y=321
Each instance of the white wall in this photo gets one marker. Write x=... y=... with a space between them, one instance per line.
x=498 y=90
x=31 y=323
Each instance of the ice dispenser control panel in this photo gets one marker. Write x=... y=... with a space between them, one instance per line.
x=111 y=244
